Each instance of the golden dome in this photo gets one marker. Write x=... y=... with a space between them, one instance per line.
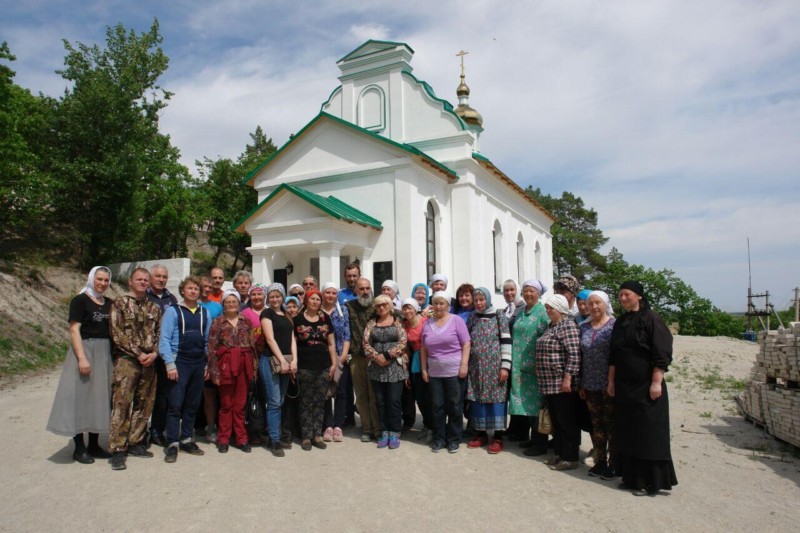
x=467 y=114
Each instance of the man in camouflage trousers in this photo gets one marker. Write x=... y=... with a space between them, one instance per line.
x=134 y=324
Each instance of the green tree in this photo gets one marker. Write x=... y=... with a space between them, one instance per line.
x=576 y=238
x=227 y=199
x=25 y=187
x=109 y=149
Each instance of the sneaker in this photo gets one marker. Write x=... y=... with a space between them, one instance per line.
x=337 y=435
x=171 y=454
x=366 y=437
x=211 y=434
x=477 y=441
x=118 y=461
x=436 y=447
x=452 y=447
x=327 y=436
x=191 y=448
x=277 y=450
x=383 y=442
x=496 y=446
x=138 y=450
x=608 y=474
x=597 y=470
x=394 y=443
x=222 y=447
x=564 y=465
x=552 y=461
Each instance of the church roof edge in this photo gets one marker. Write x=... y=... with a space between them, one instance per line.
x=371 y=42
x=488 y=165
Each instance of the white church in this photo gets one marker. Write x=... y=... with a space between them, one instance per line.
x=392 y=176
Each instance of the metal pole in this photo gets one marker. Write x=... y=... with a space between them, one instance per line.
x=797 y=304
x=766 y=307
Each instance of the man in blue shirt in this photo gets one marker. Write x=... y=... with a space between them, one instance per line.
x=351 y=273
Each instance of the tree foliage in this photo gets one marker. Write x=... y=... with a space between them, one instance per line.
x=576 y=238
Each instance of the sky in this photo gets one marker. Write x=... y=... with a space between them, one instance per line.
x=677 y=121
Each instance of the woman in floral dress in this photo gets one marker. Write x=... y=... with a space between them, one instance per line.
x=524 y=399
x=489 y=367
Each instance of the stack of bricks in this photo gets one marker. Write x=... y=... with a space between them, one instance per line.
x=772 y=396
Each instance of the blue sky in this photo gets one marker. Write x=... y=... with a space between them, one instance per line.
x=678 y=121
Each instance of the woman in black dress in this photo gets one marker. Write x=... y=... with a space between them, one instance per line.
x=641 y=351
x=83 y=398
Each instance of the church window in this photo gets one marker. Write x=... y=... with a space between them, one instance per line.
x=430 y=240
x=371 y=108
x=520 y=258
x=497 y=250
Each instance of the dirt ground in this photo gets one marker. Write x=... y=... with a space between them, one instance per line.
x=732 y=476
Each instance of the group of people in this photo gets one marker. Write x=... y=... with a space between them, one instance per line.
x=561 y=361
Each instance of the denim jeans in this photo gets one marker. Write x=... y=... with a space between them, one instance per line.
x=388 y=398
x=183 y=399
x=274 y=387
x=446 y=405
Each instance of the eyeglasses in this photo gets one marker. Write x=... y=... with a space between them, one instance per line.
x=381 y=305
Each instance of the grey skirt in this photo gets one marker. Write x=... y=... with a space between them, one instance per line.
x=83 y=403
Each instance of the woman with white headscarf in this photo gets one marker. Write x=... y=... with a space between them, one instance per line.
x=333 y=418
x=83 y=397
x=390 y=289
x=524 y=400
x=558 y=365
x=595 y=352
x=514 y=302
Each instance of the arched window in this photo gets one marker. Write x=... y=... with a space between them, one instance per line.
x=537 y=261
x=497 y=250
x=371 y=109
x=430 y=240
x=520 y=258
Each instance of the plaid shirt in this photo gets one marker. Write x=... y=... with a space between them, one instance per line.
x=558 y=352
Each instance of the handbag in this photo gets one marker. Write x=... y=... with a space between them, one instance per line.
x=254 y=411
x=545 y=422
x=275 y=364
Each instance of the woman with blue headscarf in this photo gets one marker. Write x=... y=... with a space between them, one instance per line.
x=83 y=397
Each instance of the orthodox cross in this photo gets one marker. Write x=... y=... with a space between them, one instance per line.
x=461 y=54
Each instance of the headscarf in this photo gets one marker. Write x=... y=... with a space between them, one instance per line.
x=294 y=299
x=413 y=303
x=569 y=283
x=638 y=288
x=606 y=300
x=442 y=294
x=231 y=292
x=440 y=277
x=536 y=284
x=511 y=307
x=256 y=287
x=272 y=287
x=295 y=285
x=309 y=293
x=559 y=303
x=332 y=285
x=584 y=294
x=89 y=288
x=398 y=303
x=427 y=293
x=486 y=294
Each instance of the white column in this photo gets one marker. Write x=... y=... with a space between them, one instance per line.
x=329 y=263
x=366 y=265
x=262 y=266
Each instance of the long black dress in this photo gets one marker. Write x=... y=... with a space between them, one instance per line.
x=640 y=341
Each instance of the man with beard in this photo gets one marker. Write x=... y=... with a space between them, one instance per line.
x=360 y=312
x=160 y=295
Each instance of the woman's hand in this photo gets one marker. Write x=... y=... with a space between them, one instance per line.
x=293 y=367
x=463 y=370
x=425 y=377
x=503 y=375
x=655 y=390
x=84 y=367
x=172 y=375
x=610 y=390
x=331 y=372
x=582 y=393
x=566 y=383
x=285 y=366
x=380 y=360
x=215 y=381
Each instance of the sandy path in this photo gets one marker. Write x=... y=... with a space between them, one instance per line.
x=732 y=477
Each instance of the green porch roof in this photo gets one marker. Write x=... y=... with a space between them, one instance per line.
x=330 y=205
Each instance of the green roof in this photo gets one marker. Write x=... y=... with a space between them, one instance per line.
x=330 y=205
x=323 y=115
x=388 y=44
